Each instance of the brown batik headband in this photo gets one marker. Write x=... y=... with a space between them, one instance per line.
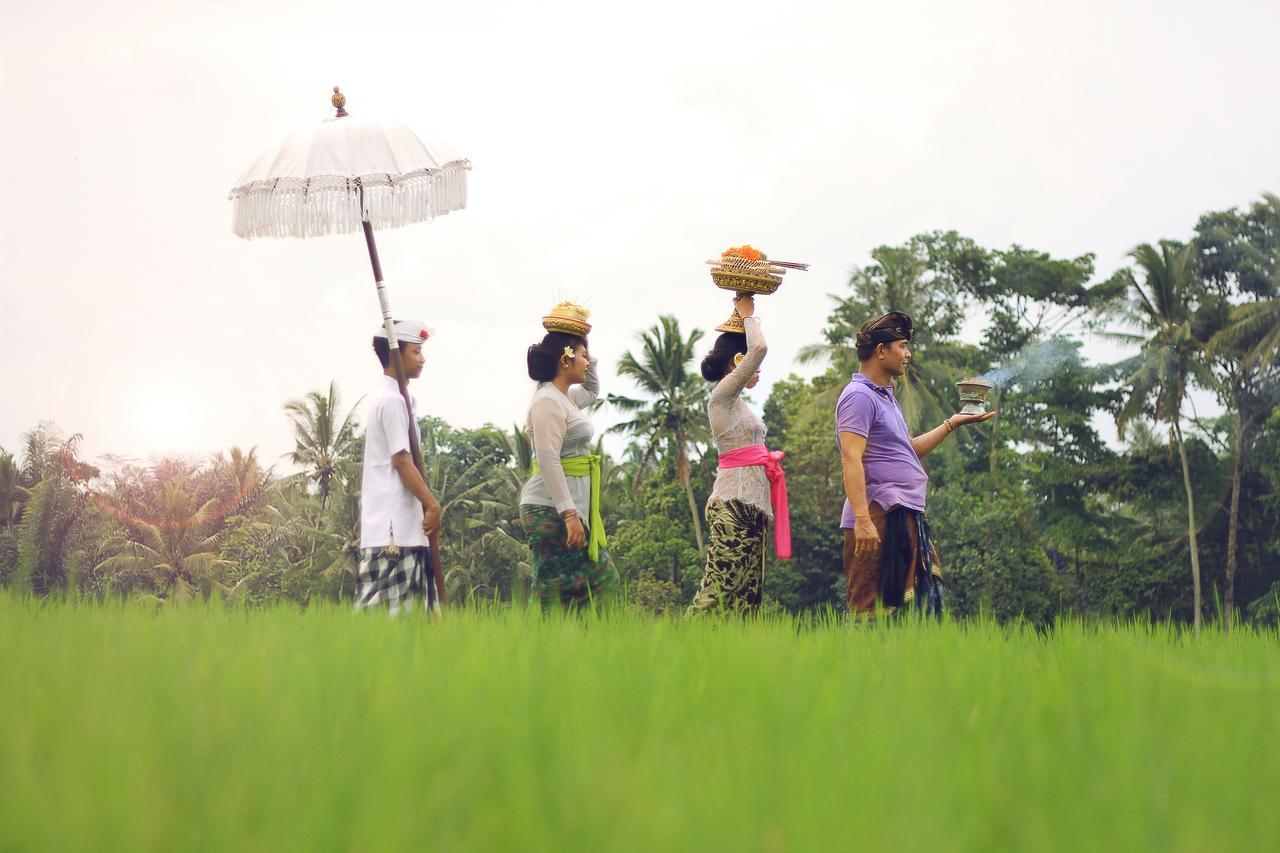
x=894 y=326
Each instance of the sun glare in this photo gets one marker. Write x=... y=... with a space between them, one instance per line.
x=164 y=421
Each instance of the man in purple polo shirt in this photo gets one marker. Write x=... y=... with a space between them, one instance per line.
x=885 y=533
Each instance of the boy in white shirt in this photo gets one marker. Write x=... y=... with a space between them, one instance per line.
x=397 y=510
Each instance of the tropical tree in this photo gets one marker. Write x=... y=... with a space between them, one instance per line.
x=285 y=548
x=321 y=439
x=49 y=537
x=40 y=448
x=510 y=478
x=1249 y=392
x=674 y=411
x=174 y=549
x=12 y=493
x=1240 y=251
x=343 y=528
x=902 y=278
x=1171 y=358
x=1239 y=255
x=471 y=473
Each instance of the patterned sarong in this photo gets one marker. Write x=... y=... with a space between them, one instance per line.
x=891 y=578
x=570 y=578
x=394 y=576
x=733 y=580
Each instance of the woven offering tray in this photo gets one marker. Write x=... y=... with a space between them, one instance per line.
x=745 y=269
x=746 y=276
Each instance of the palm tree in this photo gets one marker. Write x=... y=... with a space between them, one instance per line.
x=321 y=441
x=1254 y=328
x=676 y=413
x=897 y=282
x=468 y=472
x=46 y=536
x=513 y=477
x=1245 y=352
x=49 y=535
x=1258 y=323
x=45 y=449
x=1170 y=359
x=1239 y=254
x=344 y=528
x=238 y=480
x=174 y=549
x=12 y=493
x=1249 y=391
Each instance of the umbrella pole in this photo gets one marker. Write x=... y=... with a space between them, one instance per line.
x=397 y=364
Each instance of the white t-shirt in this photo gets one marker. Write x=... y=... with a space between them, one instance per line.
x=389 y=513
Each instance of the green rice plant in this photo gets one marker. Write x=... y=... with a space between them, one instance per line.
x=209 y=727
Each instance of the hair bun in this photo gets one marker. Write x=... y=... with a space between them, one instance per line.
x=544 y=357
x=719 y=362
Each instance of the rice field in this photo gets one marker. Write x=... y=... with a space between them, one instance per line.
x=125 y=728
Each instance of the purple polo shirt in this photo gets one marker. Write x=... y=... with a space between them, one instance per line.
x=895 y=476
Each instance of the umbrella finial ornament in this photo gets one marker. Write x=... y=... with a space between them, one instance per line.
x=339 y=102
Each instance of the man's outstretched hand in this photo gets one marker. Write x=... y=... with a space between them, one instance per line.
x=959 y=420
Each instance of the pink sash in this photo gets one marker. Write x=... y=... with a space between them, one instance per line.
x=758 y=454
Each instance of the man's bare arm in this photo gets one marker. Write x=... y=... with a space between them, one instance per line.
x=866 y=537
x=852 y=447
x=412 y=479
x=927 y=442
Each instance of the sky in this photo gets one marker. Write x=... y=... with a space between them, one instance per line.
x=614 y=149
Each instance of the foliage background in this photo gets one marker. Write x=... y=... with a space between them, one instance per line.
x=1037 y=516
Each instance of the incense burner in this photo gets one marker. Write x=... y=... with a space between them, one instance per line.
x=973 y=396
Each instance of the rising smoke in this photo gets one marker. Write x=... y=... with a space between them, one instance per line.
x=1035 y=362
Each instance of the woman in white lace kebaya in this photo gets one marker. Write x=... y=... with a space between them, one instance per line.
x=739 y=510
x=560 y=504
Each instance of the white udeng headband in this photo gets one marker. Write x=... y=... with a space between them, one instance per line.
x=407 y=332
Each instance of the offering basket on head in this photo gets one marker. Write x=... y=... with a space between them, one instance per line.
x=569 y=318
x=747 y=270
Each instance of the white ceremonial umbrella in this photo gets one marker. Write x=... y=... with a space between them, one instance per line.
x=350 y=173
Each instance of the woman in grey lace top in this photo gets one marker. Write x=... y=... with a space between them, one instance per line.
x=739 y=510
x=559 y=508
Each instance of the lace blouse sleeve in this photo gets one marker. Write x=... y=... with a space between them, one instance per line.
x=547 y=421
x=731 y=385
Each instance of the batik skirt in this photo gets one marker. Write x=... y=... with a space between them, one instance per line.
x=564 y=576
x=733 y=579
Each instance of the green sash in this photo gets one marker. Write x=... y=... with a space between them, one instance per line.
x=587 y=465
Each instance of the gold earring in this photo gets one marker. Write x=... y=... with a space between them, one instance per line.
x=738 y=358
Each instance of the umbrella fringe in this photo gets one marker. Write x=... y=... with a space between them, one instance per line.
x=312 y=207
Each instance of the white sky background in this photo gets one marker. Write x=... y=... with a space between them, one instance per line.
x=615 y=148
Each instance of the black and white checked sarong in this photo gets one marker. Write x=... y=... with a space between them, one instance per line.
x=394 y=576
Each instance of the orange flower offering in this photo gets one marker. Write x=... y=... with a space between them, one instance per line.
x=747 y=253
